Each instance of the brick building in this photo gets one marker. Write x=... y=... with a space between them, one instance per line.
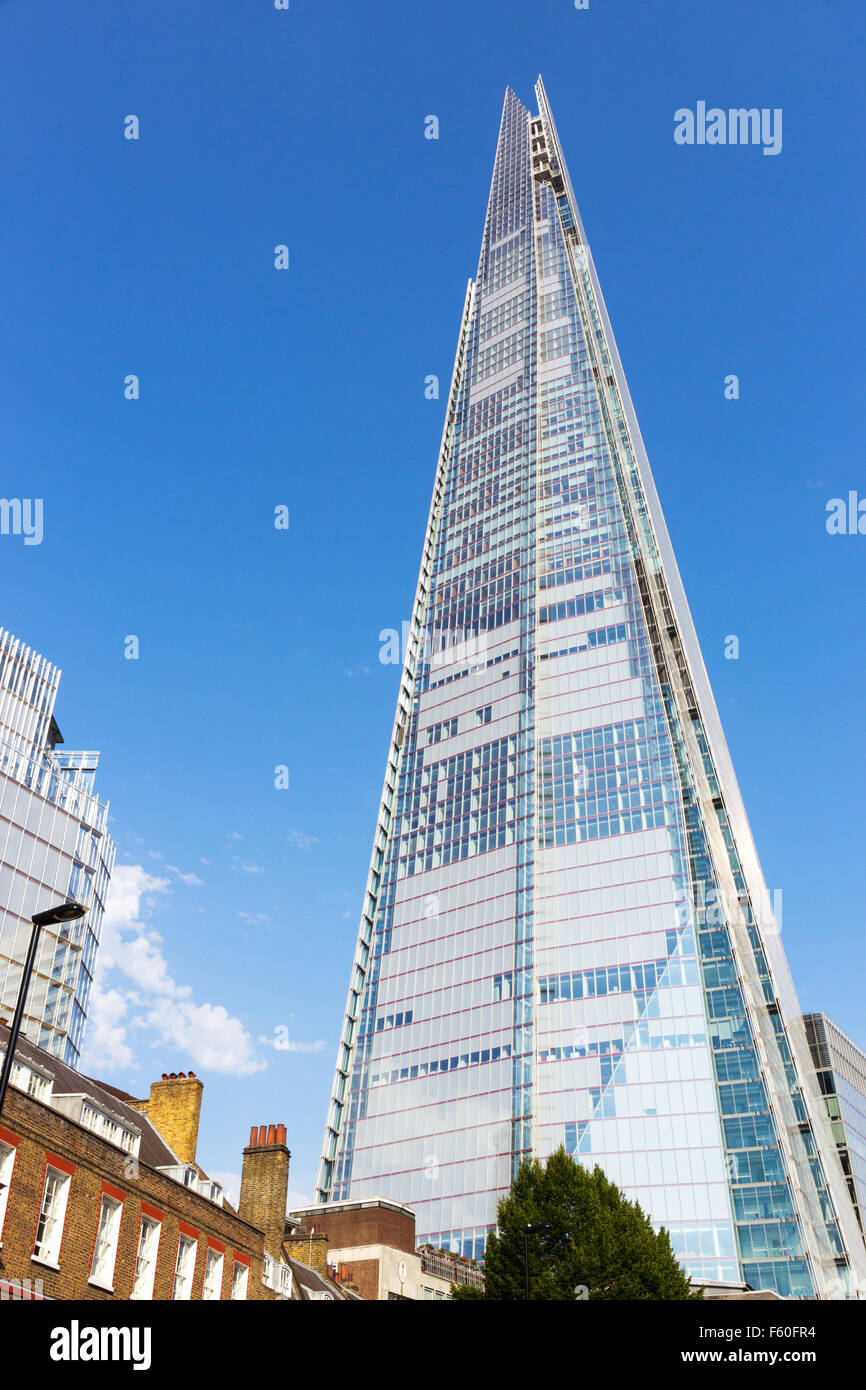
x=101 y=1196
x=370 y=1248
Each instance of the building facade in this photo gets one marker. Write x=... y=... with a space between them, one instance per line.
x=566 y=939
x=101 y=1196
x=840 y=1066
x=54 y=845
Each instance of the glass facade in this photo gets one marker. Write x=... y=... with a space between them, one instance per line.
x=54 y=845
x=840 y=1067
x=566 y=938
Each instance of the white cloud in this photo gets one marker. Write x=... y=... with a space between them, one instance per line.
x=128 y=888
x=142 y=994
x=107 y=1047
x=301 y=840
x=207 y=1033
x=234 y=836
x=141 y=959
x=252 y=869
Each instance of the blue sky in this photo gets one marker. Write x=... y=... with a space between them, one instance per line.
x=306 y=388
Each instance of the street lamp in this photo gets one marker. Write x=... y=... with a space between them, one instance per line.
x=527 y=1232
x=63 y=912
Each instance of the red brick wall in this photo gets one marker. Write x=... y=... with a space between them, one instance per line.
x=39 y=1131
x=363 y=1275
x=365 y=1226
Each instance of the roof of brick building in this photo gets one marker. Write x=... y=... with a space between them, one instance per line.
x=311 y=1285
x=154 y=1152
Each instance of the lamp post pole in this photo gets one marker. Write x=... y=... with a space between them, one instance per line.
x=64 y=912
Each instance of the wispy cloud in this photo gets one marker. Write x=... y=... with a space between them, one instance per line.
x=191 y=880
x=301 y=840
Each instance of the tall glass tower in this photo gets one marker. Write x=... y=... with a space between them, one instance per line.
x=54 y=845
x=566 y=938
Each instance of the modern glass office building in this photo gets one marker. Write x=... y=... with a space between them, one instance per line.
x=840 y=1066
x=566 y=938
x=54 y=845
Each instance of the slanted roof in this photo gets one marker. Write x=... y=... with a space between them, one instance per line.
x=120 y=1095
x=154 y=1152
x=311 y=1284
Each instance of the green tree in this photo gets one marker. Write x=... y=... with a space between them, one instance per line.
x=598 y=1241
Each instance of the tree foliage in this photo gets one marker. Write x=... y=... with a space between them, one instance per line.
x=599 y=1246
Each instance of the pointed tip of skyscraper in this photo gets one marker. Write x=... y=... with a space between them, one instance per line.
x=511 y=94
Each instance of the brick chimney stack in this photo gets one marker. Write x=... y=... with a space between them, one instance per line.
x=174 y=1107
x=265 y=1184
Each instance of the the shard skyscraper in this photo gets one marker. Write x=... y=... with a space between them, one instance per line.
x=566 y=938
